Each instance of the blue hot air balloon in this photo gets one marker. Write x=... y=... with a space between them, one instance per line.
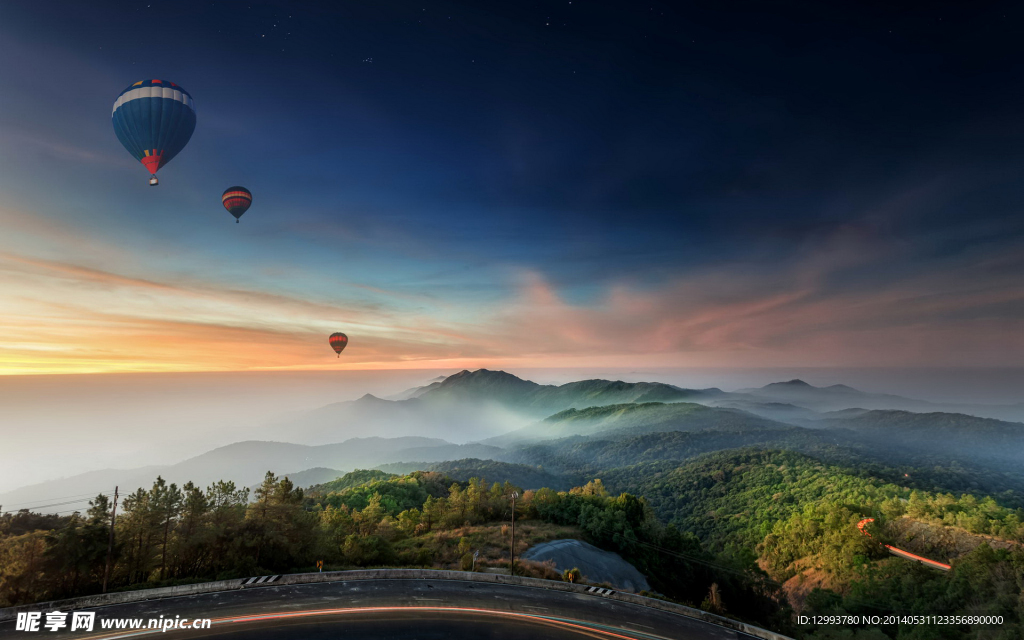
x=154 y=120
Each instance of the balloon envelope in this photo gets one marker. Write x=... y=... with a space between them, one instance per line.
x=338 y=341
x=236 y=200
x=154 y=120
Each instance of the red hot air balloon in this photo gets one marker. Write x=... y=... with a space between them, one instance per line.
x=338 y=341
x=236 y=200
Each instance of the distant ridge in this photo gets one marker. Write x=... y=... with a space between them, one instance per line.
x=842 y=387
x=838 y=397
x=490 y=410
x=796 y=382
x=246 y=463
x=543 y=400
x=494 y=385
x=947 y=432
x=369 y=397
x=482 y=404
x=628 y=420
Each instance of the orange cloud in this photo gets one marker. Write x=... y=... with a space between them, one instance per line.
x=66 y=315
x=787 y=314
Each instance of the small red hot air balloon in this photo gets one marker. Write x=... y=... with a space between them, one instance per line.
x=338 y=341
x=236 y=200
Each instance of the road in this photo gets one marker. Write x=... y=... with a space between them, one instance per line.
x=935 y=564
x=407 y=609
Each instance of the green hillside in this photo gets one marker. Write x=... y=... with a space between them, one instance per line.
x=593 y=393
x=954 y=432
x=699 y=498
x=585 y=455
x=579 y=457
x=796 y=516
x=626 y=420
x=765 y=526
x=735 y=497
x=351 y=479
x=521 y=475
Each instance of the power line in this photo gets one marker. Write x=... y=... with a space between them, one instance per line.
x=90 y=494
x=88 y=498
x=55 y=505
x=57 y=513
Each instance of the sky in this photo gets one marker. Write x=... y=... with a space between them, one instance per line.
x=531 y=184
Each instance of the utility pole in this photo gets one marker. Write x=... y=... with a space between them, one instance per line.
x=110 y=542
x=512 y=566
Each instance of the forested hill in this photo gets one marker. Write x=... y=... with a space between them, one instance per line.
x=351 y=479
x=591 y=455
x=581 y=457
x=521 y=475
x=700 y=495
x=967 y=435
x=796 y=518
x=754 y=522
x=624 y=420
x=543 y=400
x=735 y=497
x=794 y=398
x=169 y=535
x=839 y=396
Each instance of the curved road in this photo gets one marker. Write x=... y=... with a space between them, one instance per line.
x=406 y=609
x=935 y=564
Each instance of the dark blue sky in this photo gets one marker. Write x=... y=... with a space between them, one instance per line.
x=780 y=180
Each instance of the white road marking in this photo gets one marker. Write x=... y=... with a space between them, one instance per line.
x=637 y=624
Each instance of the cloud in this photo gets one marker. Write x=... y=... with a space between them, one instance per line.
x=20 y=140
x=849 y=300
x=836 y=303
x=855 y=294
x=62 y=316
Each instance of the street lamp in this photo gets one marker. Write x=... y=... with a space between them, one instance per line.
x=512 y=566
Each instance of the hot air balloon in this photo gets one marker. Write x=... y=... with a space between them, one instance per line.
x=236 y=200
x=154 y=120
x=339 y=341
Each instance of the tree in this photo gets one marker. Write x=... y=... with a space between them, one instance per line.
x=135 y=531
x=193 y=534
x=166 y=501
x=22 y=576
x=278 y=525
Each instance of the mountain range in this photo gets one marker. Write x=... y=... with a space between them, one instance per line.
x=630 y=419
x=839 y=396
x=482 y=404
x=246 y=463
x=494 y=415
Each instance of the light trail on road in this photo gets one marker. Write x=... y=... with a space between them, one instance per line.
x=593 y=630
x=935 y=564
